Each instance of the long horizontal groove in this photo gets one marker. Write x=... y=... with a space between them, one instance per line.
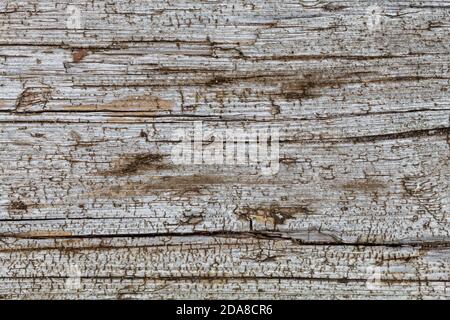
x=309 y=57
x=256 y=78
x=221 y=278
x=115 y=44
x=439 y=131
x=139 y=114
x=263 y=235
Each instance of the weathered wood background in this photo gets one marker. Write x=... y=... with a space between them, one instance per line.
x=92 y=207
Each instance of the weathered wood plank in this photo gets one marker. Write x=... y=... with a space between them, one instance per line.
x=123 y=288
x=268 y=59
x=223 y=256
x=88 y=111
x=225 y=266
x=84 y=179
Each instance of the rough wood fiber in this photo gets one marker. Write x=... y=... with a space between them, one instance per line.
x=91 y=205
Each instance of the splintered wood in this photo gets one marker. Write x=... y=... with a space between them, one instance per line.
x=96 y=97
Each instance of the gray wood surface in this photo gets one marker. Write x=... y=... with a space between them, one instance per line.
x=92 y=205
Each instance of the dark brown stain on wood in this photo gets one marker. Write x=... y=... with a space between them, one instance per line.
x=18 y=205
x=179 y=185
x=133 y=164
x=78 y=55
x=307 y=86
x=42 y=234
x=145 y=103
x=364 y=185
x=273 y=213
x=33 y=97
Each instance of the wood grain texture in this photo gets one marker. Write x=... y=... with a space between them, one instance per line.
x=92 y=205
